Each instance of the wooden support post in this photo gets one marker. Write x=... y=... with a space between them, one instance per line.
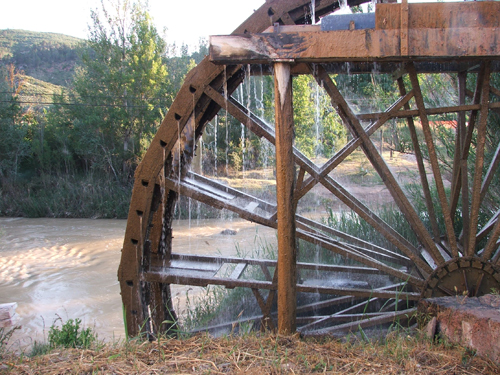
x=404 y=28
x=285 y=185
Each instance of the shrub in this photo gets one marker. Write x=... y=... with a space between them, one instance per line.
x=70 y=335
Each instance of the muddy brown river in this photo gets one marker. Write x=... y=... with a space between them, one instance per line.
x=67 y=267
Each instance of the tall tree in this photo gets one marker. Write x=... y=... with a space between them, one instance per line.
x=121 y=88
x=14 y=123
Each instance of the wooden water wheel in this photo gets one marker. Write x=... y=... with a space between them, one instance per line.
x=456 y=247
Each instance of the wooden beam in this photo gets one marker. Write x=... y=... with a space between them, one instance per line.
x=354 y=45
x=402 y=30
x=186 y=279
x=285 y=186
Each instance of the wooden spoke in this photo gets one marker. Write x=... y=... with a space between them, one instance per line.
x=356 y=142
x=492 y=244
x=421 y=167
x=438 y=180
x=379 y=164
x=489 y=174
x=488 y=226
x=478 y=170
x=259 y=128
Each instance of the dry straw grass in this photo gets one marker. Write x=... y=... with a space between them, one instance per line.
x=259 y=354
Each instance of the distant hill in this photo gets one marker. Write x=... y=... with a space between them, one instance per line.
x=48 y=57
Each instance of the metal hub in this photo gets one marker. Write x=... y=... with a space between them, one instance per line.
x=468 y=276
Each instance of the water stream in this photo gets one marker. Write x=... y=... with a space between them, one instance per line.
x=68 y=267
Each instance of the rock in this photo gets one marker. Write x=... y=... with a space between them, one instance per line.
x=430 y=328
x=229 y=232
x=490 y=299
x=469 y=321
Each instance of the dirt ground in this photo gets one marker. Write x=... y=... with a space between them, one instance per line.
x=399 y=353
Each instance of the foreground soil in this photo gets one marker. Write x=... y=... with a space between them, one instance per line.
x=398 y=353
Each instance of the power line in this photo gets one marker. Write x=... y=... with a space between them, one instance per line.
x=78 y=104
x=86 y=96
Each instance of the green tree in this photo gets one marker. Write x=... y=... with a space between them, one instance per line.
x=318 y=129
x=121 y=88
x=15 y=124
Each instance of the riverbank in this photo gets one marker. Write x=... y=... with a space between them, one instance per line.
x=399 y=352
x=65 y=197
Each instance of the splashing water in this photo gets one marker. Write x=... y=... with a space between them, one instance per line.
x=215 y=144
x=344 y=7
x=313 y=12
x=226 y=119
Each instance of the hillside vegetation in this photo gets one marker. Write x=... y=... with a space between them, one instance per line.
x=49 y=57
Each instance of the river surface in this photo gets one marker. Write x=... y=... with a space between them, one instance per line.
x=67 y=268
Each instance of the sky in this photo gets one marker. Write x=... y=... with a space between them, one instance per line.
x=186 y=21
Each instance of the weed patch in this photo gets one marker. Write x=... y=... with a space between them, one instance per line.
x=69 y=335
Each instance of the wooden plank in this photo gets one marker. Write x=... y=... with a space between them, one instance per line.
x=429 y=111
x=317 y=321
x=342 y=314
x=266 y=206
x=404 y=10
x=352 y=239
x=188 y=264
x=155 y=276
x=383 y=255
x=354 y=45
x=174 y=273
x=216 y=201
x=452 y=15
x=382 y=319
x=339 y=248
x=238 y=270
x=306 y=46
x=218 y=261
x=460 y=178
